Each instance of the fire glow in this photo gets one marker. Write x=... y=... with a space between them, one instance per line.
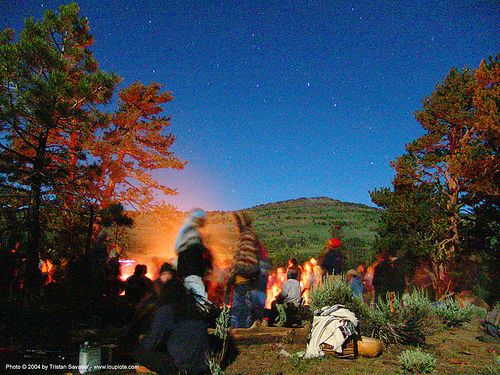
x=48 y=269
x=127 y=267
x=310 y=277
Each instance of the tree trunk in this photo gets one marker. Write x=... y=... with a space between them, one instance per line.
x=32 y=271
x=442 y=282
x=89 y=230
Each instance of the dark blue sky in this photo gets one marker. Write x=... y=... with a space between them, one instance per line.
x=277 y=100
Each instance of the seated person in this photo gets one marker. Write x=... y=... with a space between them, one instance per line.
x=137 y=285
x=287 y=303
x=177 y=341
x=147 y=306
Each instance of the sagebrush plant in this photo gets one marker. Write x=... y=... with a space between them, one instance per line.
x=409 y=321
x=336 y=290
x=415 y=361
x=214 y=359
x=453 y=314
x=333 y=291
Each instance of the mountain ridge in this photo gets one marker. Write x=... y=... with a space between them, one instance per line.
x=317 y=200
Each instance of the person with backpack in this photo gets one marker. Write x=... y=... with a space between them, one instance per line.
x=243 y=272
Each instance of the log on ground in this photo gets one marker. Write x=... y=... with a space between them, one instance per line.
x=266 y=335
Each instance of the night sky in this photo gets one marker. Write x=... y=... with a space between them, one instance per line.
x=289 y=99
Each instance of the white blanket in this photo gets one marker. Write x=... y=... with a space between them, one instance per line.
x=326 y=330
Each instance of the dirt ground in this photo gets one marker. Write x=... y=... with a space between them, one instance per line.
x=458 y=351
x=273 y=351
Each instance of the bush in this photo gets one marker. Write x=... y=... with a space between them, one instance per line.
x=452 y=314
x=335 y=290
x=416 y=361
x=409 y=321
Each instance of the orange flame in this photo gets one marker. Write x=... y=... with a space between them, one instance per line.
x=310 y=278
x=126 y=268
x=48 y=269
x=274 y=283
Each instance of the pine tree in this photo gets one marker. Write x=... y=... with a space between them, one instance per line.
x=457 y=158
x=135 y=142
x=50 y=85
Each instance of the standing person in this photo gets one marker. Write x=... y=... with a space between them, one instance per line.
x=177 y=341
x=243 y=271
x=97 y=258
x=112 y=288
x=398 y=279
x=333 y=261
x=382 y=277
x=99 y=254
x=369 y=290
x=148 y=305
x=258 y=294
x=362 y=275
x=193 y=258
x=355 y=282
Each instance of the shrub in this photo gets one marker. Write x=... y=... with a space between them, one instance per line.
x=453 y=314
x=215 y=358
x=409 y=320
x=335 y=290
x=415 y=361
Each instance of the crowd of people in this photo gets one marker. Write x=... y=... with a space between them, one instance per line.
x=169 y=328
x=166 y=319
